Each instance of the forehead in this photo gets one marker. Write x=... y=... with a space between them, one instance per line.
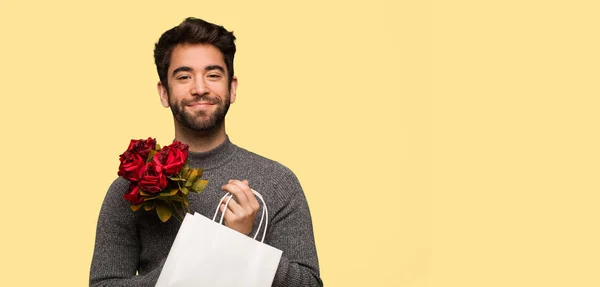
x=196 y=56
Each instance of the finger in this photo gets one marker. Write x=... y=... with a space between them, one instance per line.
x=237 y=188
x=252 y=205
x=236 y=206
x=252 y=200
x=234 y=211
x=242 y=184
x=225 y=205
x=230 y=207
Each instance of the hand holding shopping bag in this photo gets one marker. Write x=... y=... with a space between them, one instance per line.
x=207 y=253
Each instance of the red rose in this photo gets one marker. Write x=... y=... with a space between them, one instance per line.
x=172 y=158
x=142 y=147
x=152 y=179
x=130 y=165
x=133 y=195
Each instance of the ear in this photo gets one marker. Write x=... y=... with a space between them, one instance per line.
x=164 y=95
x=233 y=89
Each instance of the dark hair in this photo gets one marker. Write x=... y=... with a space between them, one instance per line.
x=193 y=31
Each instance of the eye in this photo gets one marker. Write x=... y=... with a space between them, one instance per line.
x=183 y=77
x=214 y=76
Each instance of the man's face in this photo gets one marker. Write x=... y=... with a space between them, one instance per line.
x=199 y=94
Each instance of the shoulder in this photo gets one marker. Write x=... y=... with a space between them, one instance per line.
x=259 y=162
x=119 y=184
x=268 y=173
x=116 y=190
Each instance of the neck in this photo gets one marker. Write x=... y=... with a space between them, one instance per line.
x=201 y=141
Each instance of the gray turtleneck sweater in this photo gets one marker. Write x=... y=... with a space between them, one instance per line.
x=138 y=242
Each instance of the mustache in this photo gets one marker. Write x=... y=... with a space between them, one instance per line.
x=202 y=99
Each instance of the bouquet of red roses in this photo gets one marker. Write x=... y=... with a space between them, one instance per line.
x=161 y=178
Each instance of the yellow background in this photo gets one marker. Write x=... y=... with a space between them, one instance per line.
x=440 y=143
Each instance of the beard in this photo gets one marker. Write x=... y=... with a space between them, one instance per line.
x=201 y=121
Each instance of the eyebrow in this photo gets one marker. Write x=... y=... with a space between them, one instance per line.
x=181 y=69
x=214 y=67
x=207 y=68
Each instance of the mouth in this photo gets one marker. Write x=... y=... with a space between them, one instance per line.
x=200 y=104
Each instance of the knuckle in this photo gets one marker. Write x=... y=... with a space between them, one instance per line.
x=255 y=206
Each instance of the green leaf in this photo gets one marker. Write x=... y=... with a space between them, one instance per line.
x=194 y=174
x=184 y=190
x=177 y=198
x=181 y=198
x=184 y=170
x=164 y=211
x=150 y=155
x=144 y=193
x=199 y=185
x=148 y=205
x=187 y=173
x=170 y=192
x=135 y=208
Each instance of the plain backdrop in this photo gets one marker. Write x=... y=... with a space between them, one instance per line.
x=439 y=143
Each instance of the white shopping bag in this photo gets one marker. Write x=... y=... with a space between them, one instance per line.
x=207 y=253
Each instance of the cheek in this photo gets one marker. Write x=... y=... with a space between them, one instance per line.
x=220 y=89
x=177 y=94
x=177 y=90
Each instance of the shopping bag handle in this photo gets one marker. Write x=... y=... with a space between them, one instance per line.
x=264 y=215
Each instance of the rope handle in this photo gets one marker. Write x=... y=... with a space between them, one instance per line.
x=264 y=215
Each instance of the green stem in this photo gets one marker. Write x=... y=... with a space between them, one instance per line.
x=179 y=213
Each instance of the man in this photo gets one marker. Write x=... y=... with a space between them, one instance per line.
x=195 y=66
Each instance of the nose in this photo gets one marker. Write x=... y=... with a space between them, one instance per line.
x=200 y=87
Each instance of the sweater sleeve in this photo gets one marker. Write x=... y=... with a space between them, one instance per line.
x=116 y=252
x=291 y=231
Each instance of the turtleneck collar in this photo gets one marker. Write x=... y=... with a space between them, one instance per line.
x=213 y=158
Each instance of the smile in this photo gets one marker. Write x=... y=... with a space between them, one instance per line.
x=196 y=104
